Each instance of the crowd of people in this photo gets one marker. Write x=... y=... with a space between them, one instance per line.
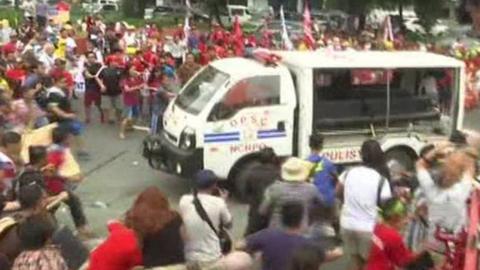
x=302 y=212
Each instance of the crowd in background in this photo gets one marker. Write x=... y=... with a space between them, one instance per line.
x=302 y=213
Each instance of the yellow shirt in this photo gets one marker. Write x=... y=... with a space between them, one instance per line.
x=4 y=85
x=61 y=50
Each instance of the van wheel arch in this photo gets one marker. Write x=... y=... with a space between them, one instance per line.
x=236 y=176
x=404 y=154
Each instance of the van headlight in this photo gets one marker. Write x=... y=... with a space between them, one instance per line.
x=188 y=138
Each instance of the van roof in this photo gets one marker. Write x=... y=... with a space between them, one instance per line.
x=368 y=59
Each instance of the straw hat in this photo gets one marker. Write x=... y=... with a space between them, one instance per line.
x=296 y=170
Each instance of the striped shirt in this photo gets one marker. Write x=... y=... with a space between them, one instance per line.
x=48 y=258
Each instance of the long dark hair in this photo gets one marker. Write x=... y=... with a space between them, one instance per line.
x=374 y=157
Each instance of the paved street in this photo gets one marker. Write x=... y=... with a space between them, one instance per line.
x=117 y=173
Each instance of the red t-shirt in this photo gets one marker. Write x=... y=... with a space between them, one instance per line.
x=58 y=73
x=10 y=47
x=151 y=58
x=115 y=58
x=119 y=252
x=138 y=64
x=131 y=98
x=16 y=74
x=63 y=6
x=388 y=250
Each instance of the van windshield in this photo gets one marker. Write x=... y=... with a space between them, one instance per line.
x=201 y=89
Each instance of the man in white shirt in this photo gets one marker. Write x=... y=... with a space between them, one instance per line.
x=46 y=56
x=203 y=245
x=363 y=189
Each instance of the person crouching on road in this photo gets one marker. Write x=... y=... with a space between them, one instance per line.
x=131 y=86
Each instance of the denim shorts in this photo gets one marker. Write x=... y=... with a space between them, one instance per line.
x=131 y=111
x=74 y=126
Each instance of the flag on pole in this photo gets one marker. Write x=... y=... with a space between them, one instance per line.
x=186 y=25
x=238 y=37
x=387 y=29
x=237 y=28
x=307 y=28
x=287 y=43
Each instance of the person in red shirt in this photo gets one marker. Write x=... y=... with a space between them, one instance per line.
x=218 y=33
x=388 y=251
x=120 y=251
x=208 y=56
x=118 y=57
x=12 y=45
x=138 y=62
x=150 y=57
x=59 y=70
x=131 y=87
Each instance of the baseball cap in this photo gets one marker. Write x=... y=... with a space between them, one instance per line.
x=205 y=179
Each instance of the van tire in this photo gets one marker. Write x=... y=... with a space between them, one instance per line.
x=239 y=179
x=405 y=156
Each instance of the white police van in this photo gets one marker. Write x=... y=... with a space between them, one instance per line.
x=234 y=107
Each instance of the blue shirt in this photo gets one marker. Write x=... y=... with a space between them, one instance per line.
x=276 y=246
x=323 y=173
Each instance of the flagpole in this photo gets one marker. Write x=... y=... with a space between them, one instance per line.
x=287 y=43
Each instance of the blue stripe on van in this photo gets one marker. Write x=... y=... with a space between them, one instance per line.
x=222 y=137
x=227 y=134
x=269 y=134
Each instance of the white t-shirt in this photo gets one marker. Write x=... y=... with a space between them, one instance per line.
x=47 y=60
x=446 y=207
x=202 y=243
x=359 y=212
x=71 y=44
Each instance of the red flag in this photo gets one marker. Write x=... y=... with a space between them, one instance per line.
x=237 y=28
x=238 y=37
x=307 y=28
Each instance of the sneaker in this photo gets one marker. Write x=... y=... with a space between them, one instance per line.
x=121 y=136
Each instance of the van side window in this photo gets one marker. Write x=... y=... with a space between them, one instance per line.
x=252 y=92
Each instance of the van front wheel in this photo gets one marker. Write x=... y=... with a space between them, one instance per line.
x=240 y=178
x=402 y=156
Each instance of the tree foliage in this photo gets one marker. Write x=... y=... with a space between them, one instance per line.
x=136 y=8
x=429 y=11
x=214 y=8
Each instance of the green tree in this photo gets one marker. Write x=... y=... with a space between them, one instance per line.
x=136 y=8
x=214 y=8
x=429 y=11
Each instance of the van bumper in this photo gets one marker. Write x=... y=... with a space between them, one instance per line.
x=164 y=156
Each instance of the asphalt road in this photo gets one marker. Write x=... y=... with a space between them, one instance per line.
x=117 y=173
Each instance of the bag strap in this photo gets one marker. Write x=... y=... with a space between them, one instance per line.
x=379 y=189
x=202 y=213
